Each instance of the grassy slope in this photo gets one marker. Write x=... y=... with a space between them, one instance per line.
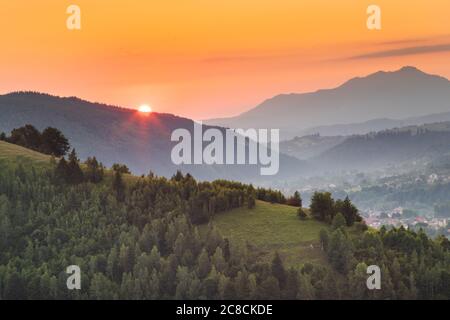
x=13 y=152
x=274 y=227
x=18 y=154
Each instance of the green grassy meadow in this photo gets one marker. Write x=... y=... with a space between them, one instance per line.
x=13 y=152
x=274 y=227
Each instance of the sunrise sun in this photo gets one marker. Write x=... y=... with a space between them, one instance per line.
x=145 y=108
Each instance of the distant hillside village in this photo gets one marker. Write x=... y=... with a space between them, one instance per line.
x=402 y=217
x=437 y=223
x=417 y=200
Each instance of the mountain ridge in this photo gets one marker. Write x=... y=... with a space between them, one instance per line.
x=375 y=125
x=393 y=94
x=119 y=135
x=391 y=147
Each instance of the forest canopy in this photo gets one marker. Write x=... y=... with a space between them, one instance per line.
x=139 y=238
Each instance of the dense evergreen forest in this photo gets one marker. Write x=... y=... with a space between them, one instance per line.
x=139 y=238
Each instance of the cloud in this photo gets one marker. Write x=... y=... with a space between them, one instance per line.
x=436 y=39
x=403 y=41
x=403 y=52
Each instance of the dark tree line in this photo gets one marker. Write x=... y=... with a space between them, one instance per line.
x=276 y=196
x=70 y=171
x=51 y=141
x=325 y=208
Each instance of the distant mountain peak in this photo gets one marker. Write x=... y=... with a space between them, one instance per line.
x=398 y=94
x=410 y=69
x=404 y=69
x=402 y=76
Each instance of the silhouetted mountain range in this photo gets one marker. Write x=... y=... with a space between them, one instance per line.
x=119 y=135
x=401 y=94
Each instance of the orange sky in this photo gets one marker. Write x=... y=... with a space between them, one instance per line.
x=204 y=58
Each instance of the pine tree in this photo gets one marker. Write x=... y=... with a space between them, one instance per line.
x=219 y=261
x=358 y=278
x=338 y=221
x=349 y=211
x=340 y=251
x=184 y=280
x=242 y=285
x=75 y=174
x=210 y=285
x=251 y=201
x=306 y=290
x=118 y=186
x=62 y=171
x=295 y=200
x=322 y=206
x=278 y=270
x=94 y=170
x=204 y=264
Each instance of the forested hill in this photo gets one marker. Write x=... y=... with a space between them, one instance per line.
x=111 y=133
x=388 y=147
x=138 y=238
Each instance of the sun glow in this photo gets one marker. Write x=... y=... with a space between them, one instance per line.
x=145 y=108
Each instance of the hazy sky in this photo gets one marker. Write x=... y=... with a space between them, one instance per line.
x=210 y=58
